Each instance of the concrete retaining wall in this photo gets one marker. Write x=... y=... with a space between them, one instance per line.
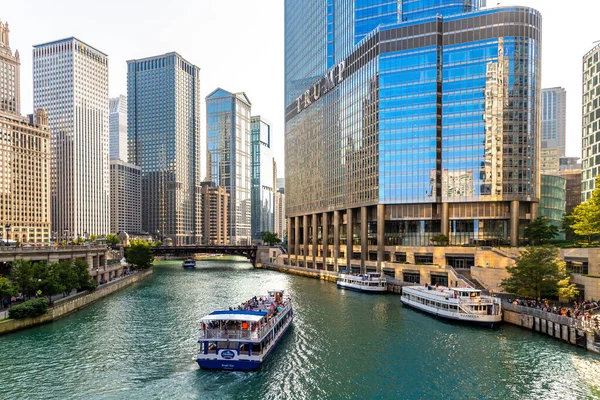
x=72 y=305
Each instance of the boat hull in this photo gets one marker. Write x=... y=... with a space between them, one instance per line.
x=485 y=320
x=363 y=289
x=241 y=365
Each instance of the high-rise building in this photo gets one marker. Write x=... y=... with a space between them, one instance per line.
x=70 y=81
x=573 y=187
x=10 y=69
x=550 y=161
x=163 y=124
x=215 y=213
x=118 y=128
x=280 y=221
x=569 y=164
x=554 y=117
x=228 y=142
x=553 y=200
x=590 y=148
x=262 y=179
x=25 y=178
x=382 y=97
x=126 y=196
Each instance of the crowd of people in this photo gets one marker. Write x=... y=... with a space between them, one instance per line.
x=272 y=306
x=581 y=310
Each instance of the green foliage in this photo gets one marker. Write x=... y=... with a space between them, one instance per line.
x=139 y=254
x=22 y=275
x=79 y=241
x=83 y=280
x=567 y=222
x=65 y=274
x=158 y=243
x=47 y=278
x=93 y=237
x=566 y=289
x=29 y=309
x=270 y=238
x=540 y=231
x=439 y=240
x=586 y=216
x=536 y=273
x=112 y=240
x=6 y=288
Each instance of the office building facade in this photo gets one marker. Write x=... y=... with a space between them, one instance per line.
x=125 y=197
x=590 y=147
x=554 y=119
x=550 y=161
x=215 y=214
x=383 y=98
x=553 y=200
x=10 y=70
x=163 y=125
x=262 y=167
x=117 y=123
x=573 y=187
x=280 y=220
x=229 y=148
x=70 y=81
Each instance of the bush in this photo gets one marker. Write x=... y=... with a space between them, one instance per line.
x=89 y=285
x=29 y=309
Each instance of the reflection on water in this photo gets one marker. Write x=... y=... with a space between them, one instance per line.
x=140 y=343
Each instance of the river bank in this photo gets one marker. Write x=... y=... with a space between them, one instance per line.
x=67 y=306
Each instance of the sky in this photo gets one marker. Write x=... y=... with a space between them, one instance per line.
x=239 y=45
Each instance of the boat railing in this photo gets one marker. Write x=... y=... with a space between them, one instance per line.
x=244 y=334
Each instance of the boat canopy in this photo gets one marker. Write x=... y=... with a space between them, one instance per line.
x=235 y=315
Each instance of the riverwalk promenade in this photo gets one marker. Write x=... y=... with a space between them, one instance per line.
x=74 y=303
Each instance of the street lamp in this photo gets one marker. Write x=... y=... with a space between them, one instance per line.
x=7 y=228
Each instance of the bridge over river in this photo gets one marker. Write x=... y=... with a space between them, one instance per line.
x=250 y=252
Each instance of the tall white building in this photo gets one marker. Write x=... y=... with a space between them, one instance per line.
x=70 y=81
x=280 y=222
x=117 y=125
x=590 y=154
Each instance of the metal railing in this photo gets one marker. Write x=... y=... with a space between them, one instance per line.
x=33 y=249
x=559 y=319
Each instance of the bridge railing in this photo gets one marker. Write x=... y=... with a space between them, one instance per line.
x=34 y=249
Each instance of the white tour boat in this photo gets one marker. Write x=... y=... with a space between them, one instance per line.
x=241 y=339
x=459 y=304
x=371 y=282
x=189 y=263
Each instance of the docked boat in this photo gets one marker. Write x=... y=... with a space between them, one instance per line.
x=241 y=339
x=459 y=304
x=371 y=282
x=189 y=263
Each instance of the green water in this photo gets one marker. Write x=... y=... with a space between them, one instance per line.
x=140 y=344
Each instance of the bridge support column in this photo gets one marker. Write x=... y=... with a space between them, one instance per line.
x=336 y=239
x=364 y=239
x=349 y=238
x=380 y=235
x=305 y=239
x=297 y=239
x=325 y=239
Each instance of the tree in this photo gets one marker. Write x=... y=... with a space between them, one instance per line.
x=66 y=275
x=78 y=240
x=440 y=240
x=567 y=221
x=93 y=237
x=540 y=231
x=536 y=273
x=270 y=238
x=112 y=240
x=46 y=278
x=83 y=279
x=22 y=275
x=586 y=216
x=7 y=290
x=566 y=289
x=139 y=254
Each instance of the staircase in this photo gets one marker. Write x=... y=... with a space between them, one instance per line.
x=466 y=275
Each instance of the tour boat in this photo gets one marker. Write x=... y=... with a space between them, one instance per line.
x=459 y=304
x=241 y=339
x=189 y=263
x=371 y=282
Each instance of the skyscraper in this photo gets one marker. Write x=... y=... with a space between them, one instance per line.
x=118 y=128
x=163 y=124
x=590 y=152
x=263 y=181
x=125 y=197
x=385 y=97
x=215 y=211
x=228 y=145
x=10 y=69
x=554 y=116
x=280 y=228
x=70 y=81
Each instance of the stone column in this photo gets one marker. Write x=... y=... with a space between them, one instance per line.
x=315 y=237
x=349 y=242
x=325 y=251
x=291 y=244
x=445 y=219
x=364 y=238
x=336 y=239
x=305 y=240
x=534 y=210
x=514 y=223
x=380 y=235
x=297 y=238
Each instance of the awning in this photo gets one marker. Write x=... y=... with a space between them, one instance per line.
x=235 y=315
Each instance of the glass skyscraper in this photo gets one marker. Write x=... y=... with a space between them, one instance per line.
x=406 y=119
x=117 y=126
x=554 y=119
x=263 y=180
x=229 y=152
x=163 y=124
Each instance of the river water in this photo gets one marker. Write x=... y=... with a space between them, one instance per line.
x=140 y=343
